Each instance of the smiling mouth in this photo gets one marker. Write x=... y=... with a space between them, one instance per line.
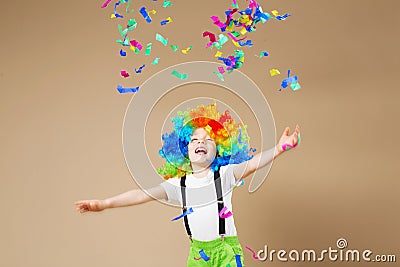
x=201 y=150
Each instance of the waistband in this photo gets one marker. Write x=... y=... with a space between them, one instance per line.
x=230 y=240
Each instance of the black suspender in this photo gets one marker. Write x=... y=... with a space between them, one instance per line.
x=220 y=201
x=218 y=188
x=184 y=208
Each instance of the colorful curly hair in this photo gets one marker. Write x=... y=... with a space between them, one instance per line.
x=230 y=137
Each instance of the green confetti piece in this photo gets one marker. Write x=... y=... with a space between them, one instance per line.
x=239 y=53
x=222 y=39
x=121 y=32
x=136 y=50
x=161 y=39
x=181 y=76
x=167 y=3
x=295 y=86
x=148 y=49
x=155 y=62
x=174 y=47
x=235 y=5
x=217 y=45
x=127 y=6
x=298 y=139
x=125 y=42
x=265 y=20
x=132 y=24
x=220 y=76
x=236 y=34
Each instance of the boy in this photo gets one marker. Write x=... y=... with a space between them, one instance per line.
x=203 y=184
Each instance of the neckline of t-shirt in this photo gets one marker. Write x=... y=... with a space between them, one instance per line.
x=200 y=181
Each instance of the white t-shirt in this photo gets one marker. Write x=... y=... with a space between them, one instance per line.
x=202 y=197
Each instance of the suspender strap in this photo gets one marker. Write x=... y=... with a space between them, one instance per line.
x=183 y=191
x=218 y=188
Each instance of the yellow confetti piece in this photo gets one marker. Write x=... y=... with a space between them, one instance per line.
x=275 y=13
x=132 y=48
x=244 y=19
x=169 y=19
x=218 y=54
x=243 y=31
x=208 y=128
x=230 y=28
x=152 y=12
x=112 y=16
x=236 y=43
x=185 y=51
x=274 y=72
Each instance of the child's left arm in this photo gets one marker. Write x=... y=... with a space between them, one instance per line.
x=263 y=158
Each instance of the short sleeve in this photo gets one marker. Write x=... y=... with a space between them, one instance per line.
x=172 y=187
x=228 y=178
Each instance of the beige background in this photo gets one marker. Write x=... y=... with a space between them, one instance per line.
x=61 y=123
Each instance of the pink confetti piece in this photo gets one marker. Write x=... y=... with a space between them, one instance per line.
x=124 y=74
x=105 y=3
x=224 y=215
x=221 y=70
x=136 y=44
x=253 y=4
x=234 y=38
x=210 y=35
x=252 y=251
x=217 y=22
x=287 y=147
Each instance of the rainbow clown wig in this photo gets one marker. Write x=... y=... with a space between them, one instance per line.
x=231 y=140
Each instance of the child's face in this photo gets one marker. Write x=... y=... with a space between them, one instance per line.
x=202 y=148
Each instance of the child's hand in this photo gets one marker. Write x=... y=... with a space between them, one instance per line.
x=90 y=205
x=287 y=141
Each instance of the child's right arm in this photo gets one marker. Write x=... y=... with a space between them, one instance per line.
x=130 y=198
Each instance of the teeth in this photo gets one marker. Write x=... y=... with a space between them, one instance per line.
x=199 y=150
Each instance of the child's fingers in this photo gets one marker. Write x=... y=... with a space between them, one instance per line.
x=80 y=202
x=286 y=131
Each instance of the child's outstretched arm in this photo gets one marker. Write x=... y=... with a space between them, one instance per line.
x=263 y=158
x=130 y=198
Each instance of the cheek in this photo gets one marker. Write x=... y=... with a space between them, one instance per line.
x=213 y=149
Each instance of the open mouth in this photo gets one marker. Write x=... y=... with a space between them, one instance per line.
x=201 y=150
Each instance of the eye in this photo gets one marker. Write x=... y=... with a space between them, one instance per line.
x=193 y=140
x=210 y=140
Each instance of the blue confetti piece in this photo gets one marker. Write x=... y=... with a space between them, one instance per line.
x=164 y=22
x=258 y=14
x=115 y=10
x=264 y=54
x=203 y=255
x=283 y=17
x=290 y=79
x=238 y=262
x=139 y=70
x=145 y=15
x=123 y=90
x=187 y=212
x=247 y=43
x=122 y=53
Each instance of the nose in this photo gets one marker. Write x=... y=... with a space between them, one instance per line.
x=201 y=141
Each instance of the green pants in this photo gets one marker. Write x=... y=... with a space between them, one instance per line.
x=216 y=253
